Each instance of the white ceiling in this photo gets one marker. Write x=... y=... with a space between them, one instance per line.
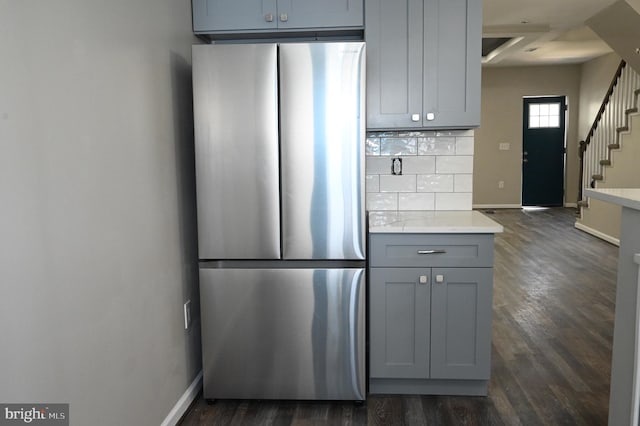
x=543 y=32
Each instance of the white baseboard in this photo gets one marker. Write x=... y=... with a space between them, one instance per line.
x=184 y=402
x=497 y=206
x=596 y=233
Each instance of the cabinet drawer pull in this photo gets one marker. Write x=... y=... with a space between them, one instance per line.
x=438 y=251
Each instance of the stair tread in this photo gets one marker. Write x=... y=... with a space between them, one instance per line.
x=597 y=177
x=605 y=162
x=614 y=146
x=622 y=129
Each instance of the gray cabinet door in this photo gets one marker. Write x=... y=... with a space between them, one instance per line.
x=234 y=15
x=399 y=323
x=394 y=63
x=320 y=14
x=423 y=65
x=461 y=323
x=452 y=61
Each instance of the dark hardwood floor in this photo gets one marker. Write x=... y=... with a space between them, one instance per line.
x=554 y=297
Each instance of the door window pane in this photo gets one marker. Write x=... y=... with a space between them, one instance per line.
x=544 y=115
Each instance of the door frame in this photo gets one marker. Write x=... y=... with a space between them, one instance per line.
x=525 y=122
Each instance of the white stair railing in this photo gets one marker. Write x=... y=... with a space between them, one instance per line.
x=612 y=119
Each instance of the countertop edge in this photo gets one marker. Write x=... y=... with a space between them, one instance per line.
x=442 y=224
x=612 y=197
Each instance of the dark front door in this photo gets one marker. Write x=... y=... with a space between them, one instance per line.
x=543 y=151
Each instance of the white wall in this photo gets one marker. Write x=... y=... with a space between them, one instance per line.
x=97 y=217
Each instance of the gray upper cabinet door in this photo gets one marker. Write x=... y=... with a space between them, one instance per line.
x=234 y=15
x=399 y=323
x=423 y=63
x=461 y=323
x=301 y=14
x=322 y=150
x=235 y=101
x=452 y=62
x=238 y=16
x=394 y=63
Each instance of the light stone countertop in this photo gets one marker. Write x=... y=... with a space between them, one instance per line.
x=625 y=197
x=434 y=222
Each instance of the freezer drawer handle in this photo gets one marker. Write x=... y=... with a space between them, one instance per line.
x=438 y=251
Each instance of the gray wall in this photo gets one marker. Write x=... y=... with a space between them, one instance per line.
x=502 y=91
x=97 y=217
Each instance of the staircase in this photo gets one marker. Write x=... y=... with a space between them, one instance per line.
x=605 y=136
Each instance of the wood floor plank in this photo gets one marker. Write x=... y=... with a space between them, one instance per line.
x=553 y=312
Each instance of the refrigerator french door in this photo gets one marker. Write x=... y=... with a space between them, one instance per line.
x=279 y=133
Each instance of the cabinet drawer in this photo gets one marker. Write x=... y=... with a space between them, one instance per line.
x=438 y=250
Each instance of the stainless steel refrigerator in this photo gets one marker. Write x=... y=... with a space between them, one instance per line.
x=279 y=135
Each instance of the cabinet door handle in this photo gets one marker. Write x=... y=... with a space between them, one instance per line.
x=415 y=117
x=439 y=279
x=284 y=17
x=430 y=116
x=268 y=17
x=424 y=279
x=437 y=251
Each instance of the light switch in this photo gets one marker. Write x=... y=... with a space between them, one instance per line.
x=505 y=146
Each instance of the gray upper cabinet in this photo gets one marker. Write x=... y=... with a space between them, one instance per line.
x=423 y=63
x=246 y=16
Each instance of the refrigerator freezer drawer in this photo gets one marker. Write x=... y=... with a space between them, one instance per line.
x=283 y=333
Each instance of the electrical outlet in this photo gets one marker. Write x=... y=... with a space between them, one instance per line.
x=187 y=314
x=504 y=146
x=500 y=184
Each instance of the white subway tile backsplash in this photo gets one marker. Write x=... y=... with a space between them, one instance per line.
x=399 y=183
x=419 y=164
x=398 y=146
x=454 y=164
x=464 y=146
x=454 y=133
x=453 y=201
x=437 y=168
x=372 y=146
x=372 y=183
x=463 y=183
x=382 y=201
x=435 y=183
x=417 y=201
x=378 y=165
x=437 y=146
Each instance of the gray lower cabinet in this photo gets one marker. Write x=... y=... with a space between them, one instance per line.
x=423 y=63
x=430 y=325
x=246 y=16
